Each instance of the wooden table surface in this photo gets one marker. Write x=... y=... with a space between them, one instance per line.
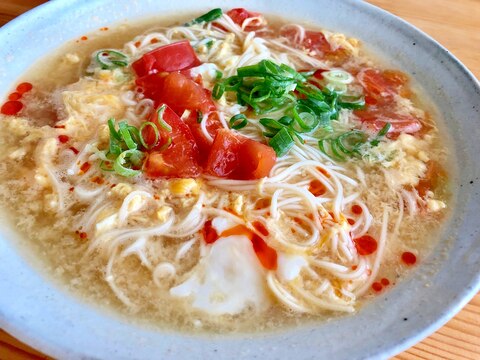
x=456 y=25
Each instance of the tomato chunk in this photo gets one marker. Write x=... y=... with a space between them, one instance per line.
x=376 y=118
x=239 y=15
x=172 y=57
x=238 y=157
x=381 y=86
x=180 y=158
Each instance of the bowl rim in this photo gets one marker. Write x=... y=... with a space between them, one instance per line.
x=450 y=309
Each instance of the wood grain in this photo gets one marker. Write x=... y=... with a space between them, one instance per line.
x=456 y=25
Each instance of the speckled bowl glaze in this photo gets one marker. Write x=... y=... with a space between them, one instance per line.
x=33 y=309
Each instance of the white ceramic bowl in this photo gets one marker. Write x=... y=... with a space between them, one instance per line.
x=35 y=311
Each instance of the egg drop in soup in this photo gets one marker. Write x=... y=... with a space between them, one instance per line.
x=230 y=173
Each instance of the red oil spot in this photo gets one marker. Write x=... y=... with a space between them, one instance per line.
x=351 y=221
x=85 y=167
x=409 y=258
x=83 y=38
x=63 y=138
x=354 y=267
x=75 y=151
x=104 y=29
x=98 y=180
x=323 y=171
x=317 y=188
x=262 y=203
x=11 y=108
x=83 y=235
x=260 y=228
x=385 y=282
x=209 y=233
x=153 y=41
x=366 y=245
x=71 y=189
x=137 y=44
x=24 y=87
x=14 y=96
x=59 y=126
x=376 y=286
x=113 y=185
x=357 y=209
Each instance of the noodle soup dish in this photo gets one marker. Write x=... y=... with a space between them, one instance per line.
x=227 y=173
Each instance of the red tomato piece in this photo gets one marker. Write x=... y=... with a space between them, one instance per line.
x=239 y=15
x=172 y=57
x=256 y=160
x=181 y=93
x=212 y=126
x=376 y=118
x=178 y=91
x=180 y=159
x=312 y=40
x=238 y=157
x=223 y=159
x=381 y=86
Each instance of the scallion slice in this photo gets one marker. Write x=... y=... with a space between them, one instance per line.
x=126 y=136
x=337 y=76
x=110 y=59
x=162 y=123
x=238 y=121
x=282 y=142
x=155 y=131
x=128 y=156
x=208 y=17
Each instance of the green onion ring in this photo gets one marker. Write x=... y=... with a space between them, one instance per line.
x=155 y=131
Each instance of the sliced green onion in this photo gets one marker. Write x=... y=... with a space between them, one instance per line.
x=350 y=141
x=337 y=76
x=208 y=17
x=218 y=74
x=113 y=131
x=282 y=142
x=218 y=91
x=163 y=124
x=125 y=133
x=111 y=59
x=351 y=102
x=383 y=131
x=199 y=117
x=155 y=131
x=134 y=156
x=339 y=88
x=236 y=124
x=285 y=120
x=305 y=118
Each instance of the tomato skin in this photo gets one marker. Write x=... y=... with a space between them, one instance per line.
x=238 y=157
x=172 y=57
x=239 y=15
x=181 y=158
